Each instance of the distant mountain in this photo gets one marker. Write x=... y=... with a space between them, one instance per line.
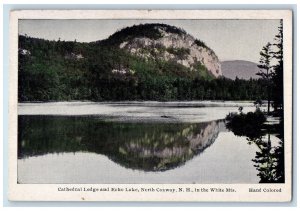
x=239 y=68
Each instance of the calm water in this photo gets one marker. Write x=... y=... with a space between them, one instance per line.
x=94 y=149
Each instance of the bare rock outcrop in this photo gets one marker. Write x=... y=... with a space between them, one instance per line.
x=179 y=47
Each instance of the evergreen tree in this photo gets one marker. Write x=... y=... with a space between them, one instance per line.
x=266 y=69
x=277 y=78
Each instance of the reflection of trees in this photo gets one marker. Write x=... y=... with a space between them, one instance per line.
x=269 y=160
x=146 y=146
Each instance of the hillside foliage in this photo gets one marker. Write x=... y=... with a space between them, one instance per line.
x=65 y=70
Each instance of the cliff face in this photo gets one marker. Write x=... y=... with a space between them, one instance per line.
x=181 y=47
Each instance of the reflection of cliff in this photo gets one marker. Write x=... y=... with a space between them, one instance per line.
x=144 y=146
x=206 y=137
x=158 y=153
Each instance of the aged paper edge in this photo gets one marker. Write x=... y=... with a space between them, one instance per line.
x=46 y=192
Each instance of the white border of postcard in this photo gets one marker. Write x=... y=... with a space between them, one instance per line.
x=240 y=193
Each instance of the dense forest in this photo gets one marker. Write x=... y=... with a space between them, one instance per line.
x=101 y=71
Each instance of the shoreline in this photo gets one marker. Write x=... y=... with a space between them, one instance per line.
x=147 y=111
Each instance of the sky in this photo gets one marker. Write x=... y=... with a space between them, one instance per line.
x=229 y=39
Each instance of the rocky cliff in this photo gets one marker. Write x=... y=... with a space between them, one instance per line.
x=169 y=43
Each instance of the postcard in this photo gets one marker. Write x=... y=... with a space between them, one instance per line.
x=150 y=105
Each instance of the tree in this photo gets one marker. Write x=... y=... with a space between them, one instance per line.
x=277 y=77
x=266 y=69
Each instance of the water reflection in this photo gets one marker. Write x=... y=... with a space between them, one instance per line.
x=269 y=159
x=143 y=146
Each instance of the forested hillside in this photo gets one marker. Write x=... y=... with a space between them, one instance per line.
x=104 y=71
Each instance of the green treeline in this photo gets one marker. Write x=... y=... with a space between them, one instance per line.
x=149 y=30
x=62 y=71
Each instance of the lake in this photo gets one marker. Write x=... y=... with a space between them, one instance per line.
x=133 y=142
